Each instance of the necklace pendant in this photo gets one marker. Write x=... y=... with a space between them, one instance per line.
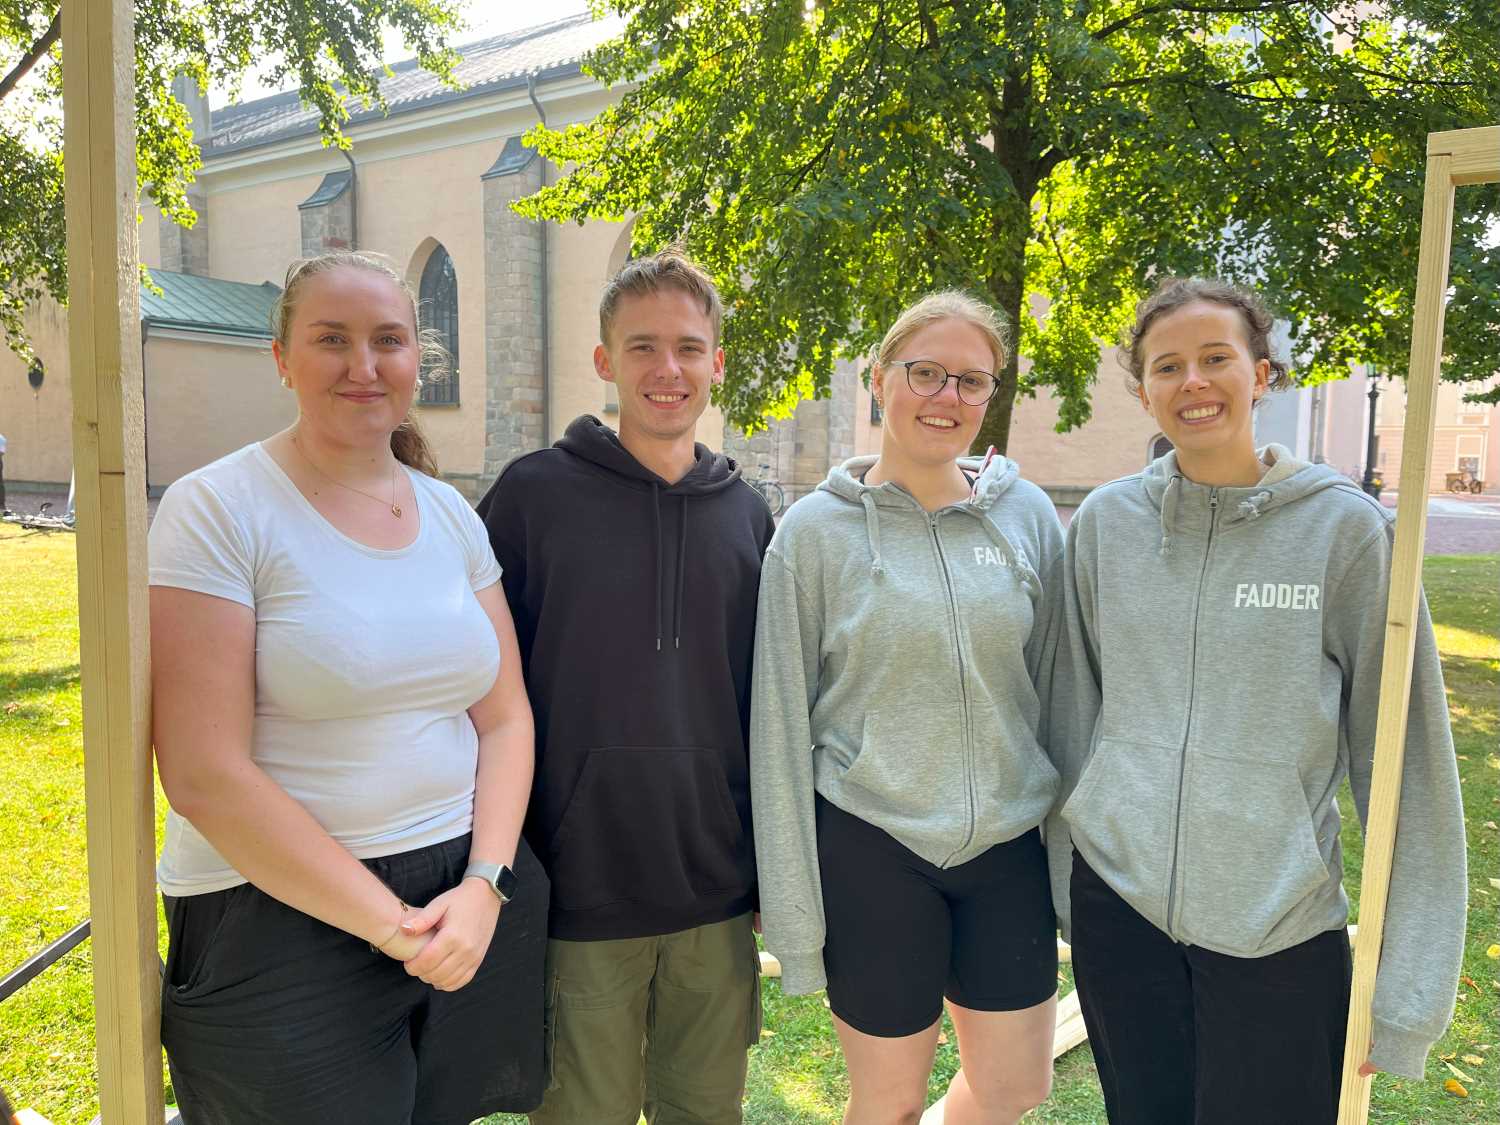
x=396 y=510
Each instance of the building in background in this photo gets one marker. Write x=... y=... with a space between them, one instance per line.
x=429 y=185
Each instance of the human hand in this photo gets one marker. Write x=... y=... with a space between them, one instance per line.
x=459 y=925
x=1368 y=1068
x=403 y=945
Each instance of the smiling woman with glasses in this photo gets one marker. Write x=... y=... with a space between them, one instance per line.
x=900 y=860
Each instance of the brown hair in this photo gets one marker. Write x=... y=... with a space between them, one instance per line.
x=1175 y=292
x=947 y=304
x=408 y=443
x=667 y=269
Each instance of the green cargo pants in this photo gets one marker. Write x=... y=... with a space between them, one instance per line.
x=659 y=1023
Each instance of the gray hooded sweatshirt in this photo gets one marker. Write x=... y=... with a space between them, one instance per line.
x=901 y=668
x=1232 y=640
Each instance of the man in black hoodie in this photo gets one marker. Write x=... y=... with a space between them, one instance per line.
x=631 y=564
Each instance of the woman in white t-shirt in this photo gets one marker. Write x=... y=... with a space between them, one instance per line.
x=343 y=734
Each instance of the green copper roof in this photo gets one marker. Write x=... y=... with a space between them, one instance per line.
x=207 y=304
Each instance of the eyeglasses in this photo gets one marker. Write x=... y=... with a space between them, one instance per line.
x=927 y=377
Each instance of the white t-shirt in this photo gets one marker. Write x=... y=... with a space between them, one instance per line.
x=366 y=660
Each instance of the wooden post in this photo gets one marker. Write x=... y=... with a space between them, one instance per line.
x=1465 y=156
x=109 y=462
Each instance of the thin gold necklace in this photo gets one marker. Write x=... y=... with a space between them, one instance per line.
x=395 y=507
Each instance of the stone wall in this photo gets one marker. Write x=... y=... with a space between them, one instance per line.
x=515 y=382
x=328 y=216
x=184 y=249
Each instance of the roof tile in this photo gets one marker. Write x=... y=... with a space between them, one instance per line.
x=485 y=65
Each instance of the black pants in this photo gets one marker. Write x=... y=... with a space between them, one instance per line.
x=271 y=1017
x=1184 y=1036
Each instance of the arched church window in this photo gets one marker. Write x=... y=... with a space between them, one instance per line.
x=438 y=293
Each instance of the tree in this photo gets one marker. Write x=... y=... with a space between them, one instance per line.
x=829 y=160
x=332 y=46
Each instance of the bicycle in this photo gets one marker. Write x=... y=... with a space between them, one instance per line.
x=41 y=520
x=1465 y=481
x=770 y=491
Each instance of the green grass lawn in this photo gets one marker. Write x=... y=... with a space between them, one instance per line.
x=796 y=1074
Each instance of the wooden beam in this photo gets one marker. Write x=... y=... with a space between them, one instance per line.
x=109 y=462
x=1463 y=156
x=1070 y=1030
x=1475 y=153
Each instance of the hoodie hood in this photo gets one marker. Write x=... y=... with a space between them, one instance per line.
x=1286 y=480
x=591 y=440
x=846 y=481
x=596 y=443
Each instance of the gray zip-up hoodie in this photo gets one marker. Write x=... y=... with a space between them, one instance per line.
x=901 y=668
x=1235 y=636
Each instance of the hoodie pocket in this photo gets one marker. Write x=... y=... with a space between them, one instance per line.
x=910 y=772
x=1250 y=852
x=649 y=824
x=1123 y=811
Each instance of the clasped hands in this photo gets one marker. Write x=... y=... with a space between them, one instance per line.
x=444 y=942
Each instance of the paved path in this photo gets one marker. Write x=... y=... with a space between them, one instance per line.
x=1456 y=525
x=1459 y=525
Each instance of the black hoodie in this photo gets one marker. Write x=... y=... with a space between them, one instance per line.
x=634 y=602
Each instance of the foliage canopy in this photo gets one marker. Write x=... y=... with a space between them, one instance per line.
x=829 y=160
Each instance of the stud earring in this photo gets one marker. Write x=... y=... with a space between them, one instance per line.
x=285 y=382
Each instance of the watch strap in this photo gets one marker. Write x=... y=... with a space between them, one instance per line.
x=501 y=879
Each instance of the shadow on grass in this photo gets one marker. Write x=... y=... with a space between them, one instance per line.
x=30 y=696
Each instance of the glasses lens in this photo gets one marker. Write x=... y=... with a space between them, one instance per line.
x=926 y=378
x=976 y=387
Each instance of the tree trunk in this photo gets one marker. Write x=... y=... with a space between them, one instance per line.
x=1007 y=292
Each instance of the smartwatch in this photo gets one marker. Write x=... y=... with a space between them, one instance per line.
x=501 y=879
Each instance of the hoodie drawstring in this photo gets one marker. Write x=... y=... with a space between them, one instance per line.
x=872 y=532
x=661 y=568
x=1169 y=512
x=656 y=525
x=1250 y=509
x=681 y=570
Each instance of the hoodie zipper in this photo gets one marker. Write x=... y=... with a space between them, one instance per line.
x=1213 y=523
x=963 y=681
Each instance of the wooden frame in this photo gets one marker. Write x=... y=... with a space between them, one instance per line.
x=109 y=460
x=109 y=463
x=1463 y=156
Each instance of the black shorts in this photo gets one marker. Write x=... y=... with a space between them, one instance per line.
x=903 y=933
x=269 y=1015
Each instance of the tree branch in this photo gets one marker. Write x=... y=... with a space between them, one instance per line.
x=33 y=56
x=1245 y=9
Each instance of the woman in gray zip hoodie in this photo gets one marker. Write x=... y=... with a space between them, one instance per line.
x=909 y=610
x=1227 y=616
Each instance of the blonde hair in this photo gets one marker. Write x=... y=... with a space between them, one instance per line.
x=408 y=443
x=667 y=269
x=947 y=304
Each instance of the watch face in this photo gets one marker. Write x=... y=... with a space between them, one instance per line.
x=505 y=883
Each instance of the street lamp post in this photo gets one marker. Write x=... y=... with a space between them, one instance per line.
x=1372 y=482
